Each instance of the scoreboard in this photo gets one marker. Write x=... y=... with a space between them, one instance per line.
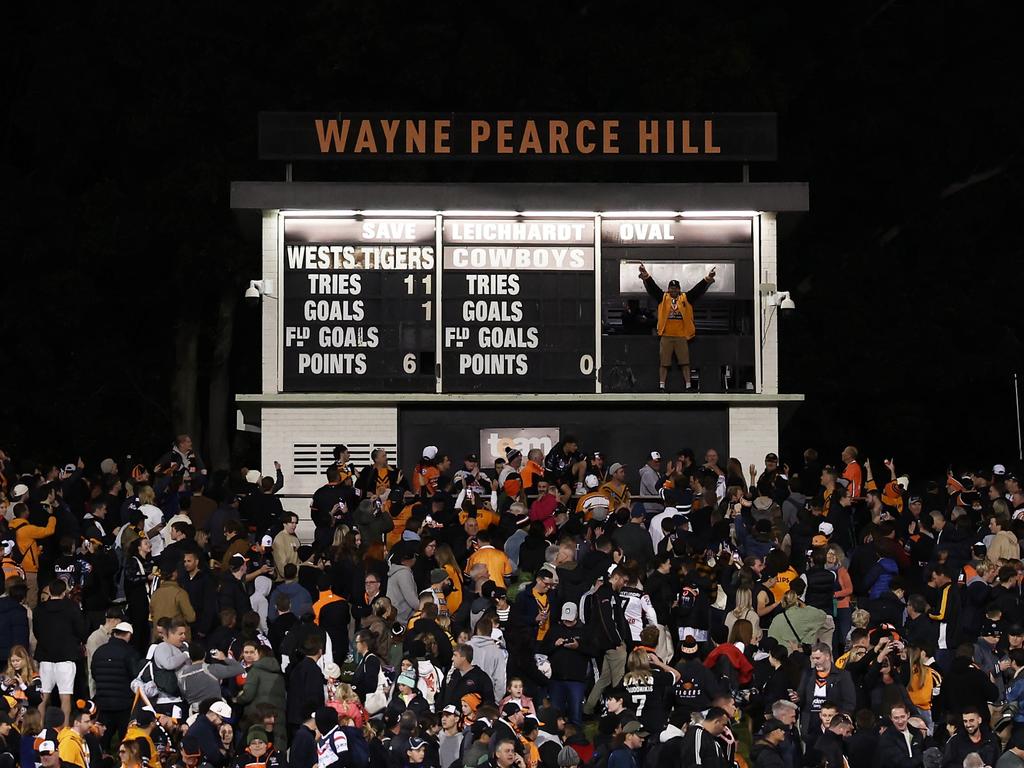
x=484 y=303
x=357 y=305
x=518 y=305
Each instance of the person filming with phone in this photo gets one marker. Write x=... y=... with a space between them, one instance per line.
x=675 y=321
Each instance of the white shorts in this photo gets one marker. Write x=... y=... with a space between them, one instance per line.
x=57 y=673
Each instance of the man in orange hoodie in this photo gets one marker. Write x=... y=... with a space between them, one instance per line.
x=26 y=541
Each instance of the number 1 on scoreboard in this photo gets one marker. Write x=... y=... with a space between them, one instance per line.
x=410 y=284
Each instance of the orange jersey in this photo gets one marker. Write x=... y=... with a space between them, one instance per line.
x=498 y=565
x=531 y=473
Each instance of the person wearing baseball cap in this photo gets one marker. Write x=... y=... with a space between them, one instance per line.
x=570 y=663
x=615 y=488
x=450 y=737
x=627 y=743
x=675 y=321
x=765 y=752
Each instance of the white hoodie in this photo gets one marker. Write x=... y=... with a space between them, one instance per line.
x=670 y=732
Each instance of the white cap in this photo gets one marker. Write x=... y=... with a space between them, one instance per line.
x=8 y=545
x=19 y=490
x=69 y=468
x=47 y=746
x=430 y=452
x=124 y=626
x=222 y=709
x=904 y=481
x=569 y=612
x=332 y=670
x=826 y=528
x=591 y=481
x=999 y=469
x=655 y=456
x=267 y=541
x=253 y=476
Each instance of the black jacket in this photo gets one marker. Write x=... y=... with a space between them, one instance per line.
x=60 y=630
x=202 y=593
x=966 y=685
x=231 y=594
x=893 y=753
x=838 y=687
x=334 y=619
x=605 y=619
x=701 y=748
x=302 y=752
x=960 y=746
x=568 y=663
x=206 y=736
x=764 y=755
x=305 y=690
x=474 y=681
x=821 y=585
x=13 y=626
x=829 y=748
x=114 y=666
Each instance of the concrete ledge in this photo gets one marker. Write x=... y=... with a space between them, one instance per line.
x=316 y=399
x=758 y=196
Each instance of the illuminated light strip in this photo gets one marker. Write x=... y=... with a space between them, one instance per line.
x=639 y=215
x=719 y=214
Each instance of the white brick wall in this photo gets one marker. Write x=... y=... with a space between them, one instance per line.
x=769 y=274
x=270 y=305
x=753 y=432
x=282 y=428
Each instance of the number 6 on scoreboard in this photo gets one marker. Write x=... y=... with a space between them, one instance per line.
x=409 y=363
x=587 y=365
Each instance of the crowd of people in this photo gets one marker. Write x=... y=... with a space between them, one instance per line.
x=540 y=612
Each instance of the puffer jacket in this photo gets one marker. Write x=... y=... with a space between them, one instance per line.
x=114 y=665
x=880 y=577
x=13 y=625
x=821 y=586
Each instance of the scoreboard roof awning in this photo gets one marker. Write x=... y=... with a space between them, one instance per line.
x=596 y=197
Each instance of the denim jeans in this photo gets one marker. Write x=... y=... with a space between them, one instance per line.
x=567 y=695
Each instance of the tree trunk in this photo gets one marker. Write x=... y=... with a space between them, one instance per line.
x=184 y=414
x=220 y=406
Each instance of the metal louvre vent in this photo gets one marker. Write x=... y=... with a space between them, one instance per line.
x=315 y=458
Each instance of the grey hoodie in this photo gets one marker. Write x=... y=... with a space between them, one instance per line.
x=201 y=681
x=491 y=658
x=402 y=591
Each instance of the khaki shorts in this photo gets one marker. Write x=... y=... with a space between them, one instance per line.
x=677 y=345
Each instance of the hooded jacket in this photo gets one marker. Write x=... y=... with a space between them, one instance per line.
x=402 y=591
x=60 y=630
x=491 y=658
x=880 y=577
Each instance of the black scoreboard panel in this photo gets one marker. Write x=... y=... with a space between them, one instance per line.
x=357 y=305
x=518 y=310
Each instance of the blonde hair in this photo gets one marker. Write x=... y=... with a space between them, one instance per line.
x=31 y=669
x=638 y=667
x=744 y=602
x=860 y=619
x=791 y=598
x=985 y=567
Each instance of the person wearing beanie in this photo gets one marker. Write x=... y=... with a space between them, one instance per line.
x=259 y=751
x=407 y=696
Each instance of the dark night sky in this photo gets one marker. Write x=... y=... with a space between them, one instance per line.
x=125 y=125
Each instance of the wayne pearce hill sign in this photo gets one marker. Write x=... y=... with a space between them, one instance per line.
x=737 y=137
